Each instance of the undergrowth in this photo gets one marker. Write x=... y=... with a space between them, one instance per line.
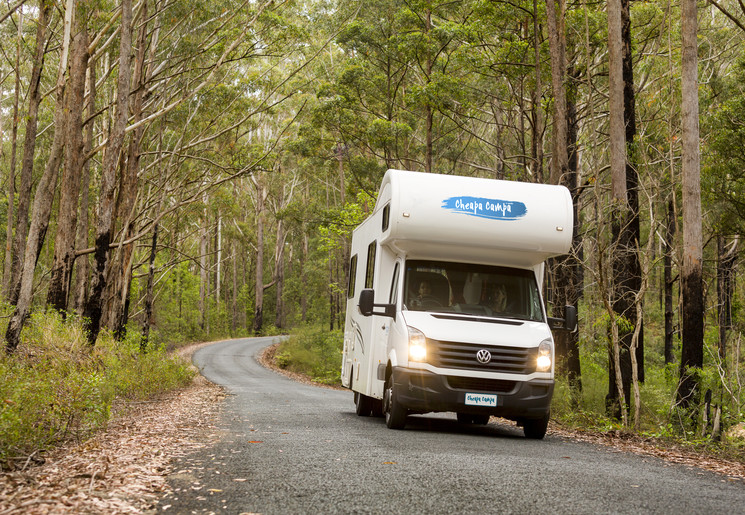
x=312 y=351
x=55 y=387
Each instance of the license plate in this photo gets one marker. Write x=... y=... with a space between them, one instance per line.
x=481 y=399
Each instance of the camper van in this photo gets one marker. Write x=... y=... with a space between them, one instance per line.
x=444 y=306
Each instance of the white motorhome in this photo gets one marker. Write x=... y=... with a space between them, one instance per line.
x=444 y=305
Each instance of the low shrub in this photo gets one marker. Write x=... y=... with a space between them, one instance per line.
x=313 y=351
x=55 y=387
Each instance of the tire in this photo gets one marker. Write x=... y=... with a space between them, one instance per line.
x=535 y=428
x=395 y=414
x=479 y=420
x=464 y=418
x=362 y=404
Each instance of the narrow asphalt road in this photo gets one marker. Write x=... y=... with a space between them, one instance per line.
x=286 y=448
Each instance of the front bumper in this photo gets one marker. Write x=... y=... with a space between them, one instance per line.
x=422 y=391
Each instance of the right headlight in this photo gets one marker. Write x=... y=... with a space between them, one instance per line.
x=417 y=345
x=543 y=363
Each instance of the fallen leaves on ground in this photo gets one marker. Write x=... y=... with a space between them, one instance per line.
x=123 y=469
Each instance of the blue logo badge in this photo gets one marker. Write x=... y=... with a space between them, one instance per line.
x=486 y=207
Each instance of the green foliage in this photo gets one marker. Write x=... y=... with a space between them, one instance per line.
x=55 y=387
x=313 y=351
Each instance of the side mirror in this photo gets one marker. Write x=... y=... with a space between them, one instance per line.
x=570 y=318
x=367 y=299
x=568 y=323
x=367 y=303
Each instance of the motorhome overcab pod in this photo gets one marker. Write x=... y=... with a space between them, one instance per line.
x=444 y=304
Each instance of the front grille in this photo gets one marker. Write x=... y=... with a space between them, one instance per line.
x=480 y=385
x=509 y=360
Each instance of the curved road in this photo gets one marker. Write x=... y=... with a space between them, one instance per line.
x=285 y=448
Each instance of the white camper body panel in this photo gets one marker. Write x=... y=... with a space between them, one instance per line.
x=452 y=219
x=477 y=220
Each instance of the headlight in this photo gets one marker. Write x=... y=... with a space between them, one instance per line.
x=543 y=364
x=417 y=345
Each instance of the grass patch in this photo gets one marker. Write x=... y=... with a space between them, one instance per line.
x=314 y=352
x=55 y=388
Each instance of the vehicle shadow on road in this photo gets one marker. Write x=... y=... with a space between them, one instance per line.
x=446 y=424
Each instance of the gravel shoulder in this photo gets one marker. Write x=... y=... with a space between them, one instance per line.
x=124 y=469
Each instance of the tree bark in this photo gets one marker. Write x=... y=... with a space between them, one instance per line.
x=668 y=287
x=692 y=355
x=725 y=291
x=147 y=318
x=43 y=199
x=81 y=239
x=94 y=306
x=261 y=195
x=29 y=146
x=557 y=45
x=121 y=265
x=64 y=244
x=8 y=263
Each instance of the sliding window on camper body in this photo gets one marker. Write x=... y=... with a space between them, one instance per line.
x=481 y=290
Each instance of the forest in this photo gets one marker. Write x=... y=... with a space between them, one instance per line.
x=179 y=171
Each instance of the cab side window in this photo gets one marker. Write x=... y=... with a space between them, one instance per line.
x=352 y=276
x=393 y=297
x=370 y=269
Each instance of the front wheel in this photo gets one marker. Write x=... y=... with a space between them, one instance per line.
x=395 y=414
x=363 y=405
x=535 y=428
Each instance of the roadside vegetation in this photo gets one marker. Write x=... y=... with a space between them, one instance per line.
x=314 y=352
x=58 y=389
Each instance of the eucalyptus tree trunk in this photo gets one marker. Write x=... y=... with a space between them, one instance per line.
x=147 y=317
x=261 y=195
x=203 y=272
x=81 y=240
x=8 y=268
x=557 y=46
x=279 y=318
x=668 y=286
x=120 y=278
x=536 y=107
x=692 y=355
x=725 y=290
x=29 y=146
x=619 y=390
x=94 y=305
x=64 y=244
x=43 y=200
x=634 y=280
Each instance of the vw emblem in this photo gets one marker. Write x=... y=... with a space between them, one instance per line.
x=483 y=356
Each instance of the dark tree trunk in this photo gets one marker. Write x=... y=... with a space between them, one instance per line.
x=64 y=244
x=259 y=307
x=725 y=290
x=94 y=306
x=8 y=263
x=42 y=208
x=669 y=282
x=29 y=146
x=81 y=239
x=691 y=280
x=147 y=318
x=632 y=177
x=568 y=272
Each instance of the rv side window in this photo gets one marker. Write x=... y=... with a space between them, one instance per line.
x=393 y=297
x=370 y=270
x=352 y=276
x=386 y=217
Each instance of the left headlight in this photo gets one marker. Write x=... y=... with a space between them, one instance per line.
x=417 y=345
x=543 y=363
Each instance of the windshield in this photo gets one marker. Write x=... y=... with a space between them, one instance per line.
x=472 y=289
